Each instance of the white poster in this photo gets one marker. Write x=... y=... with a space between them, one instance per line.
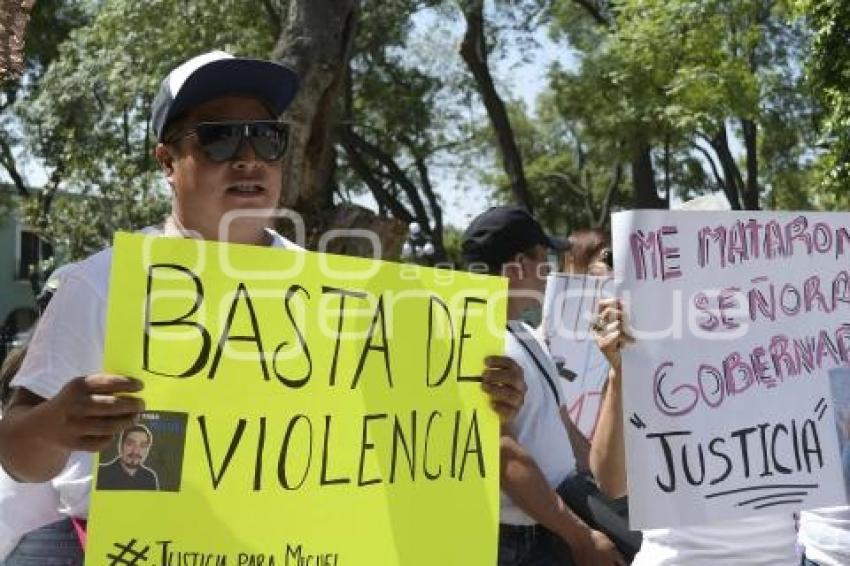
x=568 y=310
x=739 y=318
x=839 y=382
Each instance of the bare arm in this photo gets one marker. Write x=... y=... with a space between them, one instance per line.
x=579 y=442
x=608 y=450
x=37 y=436
x=524 y=482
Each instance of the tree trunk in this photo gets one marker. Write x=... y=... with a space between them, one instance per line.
x=473 y=49
x=315 y=39
x=751 y=191
x=643 y=179
x=734 y=183
x=14 y=16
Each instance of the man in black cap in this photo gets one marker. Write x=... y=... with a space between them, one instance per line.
x=536 y=526
x=216 y=119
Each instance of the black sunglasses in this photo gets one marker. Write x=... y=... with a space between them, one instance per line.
x=220 y=141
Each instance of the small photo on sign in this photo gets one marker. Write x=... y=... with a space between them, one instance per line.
x=839 y=381
x=147 y=456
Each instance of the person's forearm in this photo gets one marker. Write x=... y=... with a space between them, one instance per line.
x=524 y=482
x=608 y=454
x=608 y=449
x=578 y=441
x=25 y=453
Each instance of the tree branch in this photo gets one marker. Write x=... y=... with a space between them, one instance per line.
x=274 y=17
x=571 y=185
x=473 y=50
x=594 y=12
x=436 y=209
x=382 y=196
x=7 y=160
x=720 y=182
x=610 y=193
x=398 y=176
x=734 y=181
x=751 y=188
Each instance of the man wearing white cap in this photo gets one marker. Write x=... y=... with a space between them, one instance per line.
x=220 y=144
x=215 y=119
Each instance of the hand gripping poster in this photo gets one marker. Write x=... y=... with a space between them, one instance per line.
x=739 y=320
x=301 y=408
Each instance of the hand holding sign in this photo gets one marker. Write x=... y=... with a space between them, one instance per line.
x=503 y=381
x=88 y=411
x=610 y=330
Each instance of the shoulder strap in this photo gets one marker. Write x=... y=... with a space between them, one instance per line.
x=539 y=365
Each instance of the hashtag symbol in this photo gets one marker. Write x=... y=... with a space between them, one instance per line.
x=127 y=555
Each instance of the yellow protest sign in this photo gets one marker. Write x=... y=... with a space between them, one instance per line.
x=302 y=409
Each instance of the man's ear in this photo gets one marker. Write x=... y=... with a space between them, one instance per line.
x=165 y=157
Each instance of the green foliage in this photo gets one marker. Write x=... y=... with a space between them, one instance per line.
x=670 y=74
x=399 y=92
x=673 y=73
x=829 y=67
x=568 y=176
x=88 y=118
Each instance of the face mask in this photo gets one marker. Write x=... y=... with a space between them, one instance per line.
x=532 y=316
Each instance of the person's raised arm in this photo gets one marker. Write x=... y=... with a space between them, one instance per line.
x=608 y=450
x=579 y=442
x=37 y=436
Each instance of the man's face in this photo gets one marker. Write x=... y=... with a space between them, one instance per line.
x=527 y=276
x=205 y=191
x=134 y=449
x=536 y=268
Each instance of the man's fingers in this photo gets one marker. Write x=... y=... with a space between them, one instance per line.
x=99 y=405
x=507 y=378
x=501 y=394
x=92 y=443
x=104 y=383
x=503 y=362
x=103 y=426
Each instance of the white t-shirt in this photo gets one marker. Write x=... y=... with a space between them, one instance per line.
x=538 y=426
x=24 y=508
x=755 y=541
x=68 y=343
x=825 y=535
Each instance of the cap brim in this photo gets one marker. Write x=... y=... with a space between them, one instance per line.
x=555 y=243
x=272 y=83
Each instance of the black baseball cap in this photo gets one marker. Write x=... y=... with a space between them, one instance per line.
x=217 y=74
x=501 y=232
